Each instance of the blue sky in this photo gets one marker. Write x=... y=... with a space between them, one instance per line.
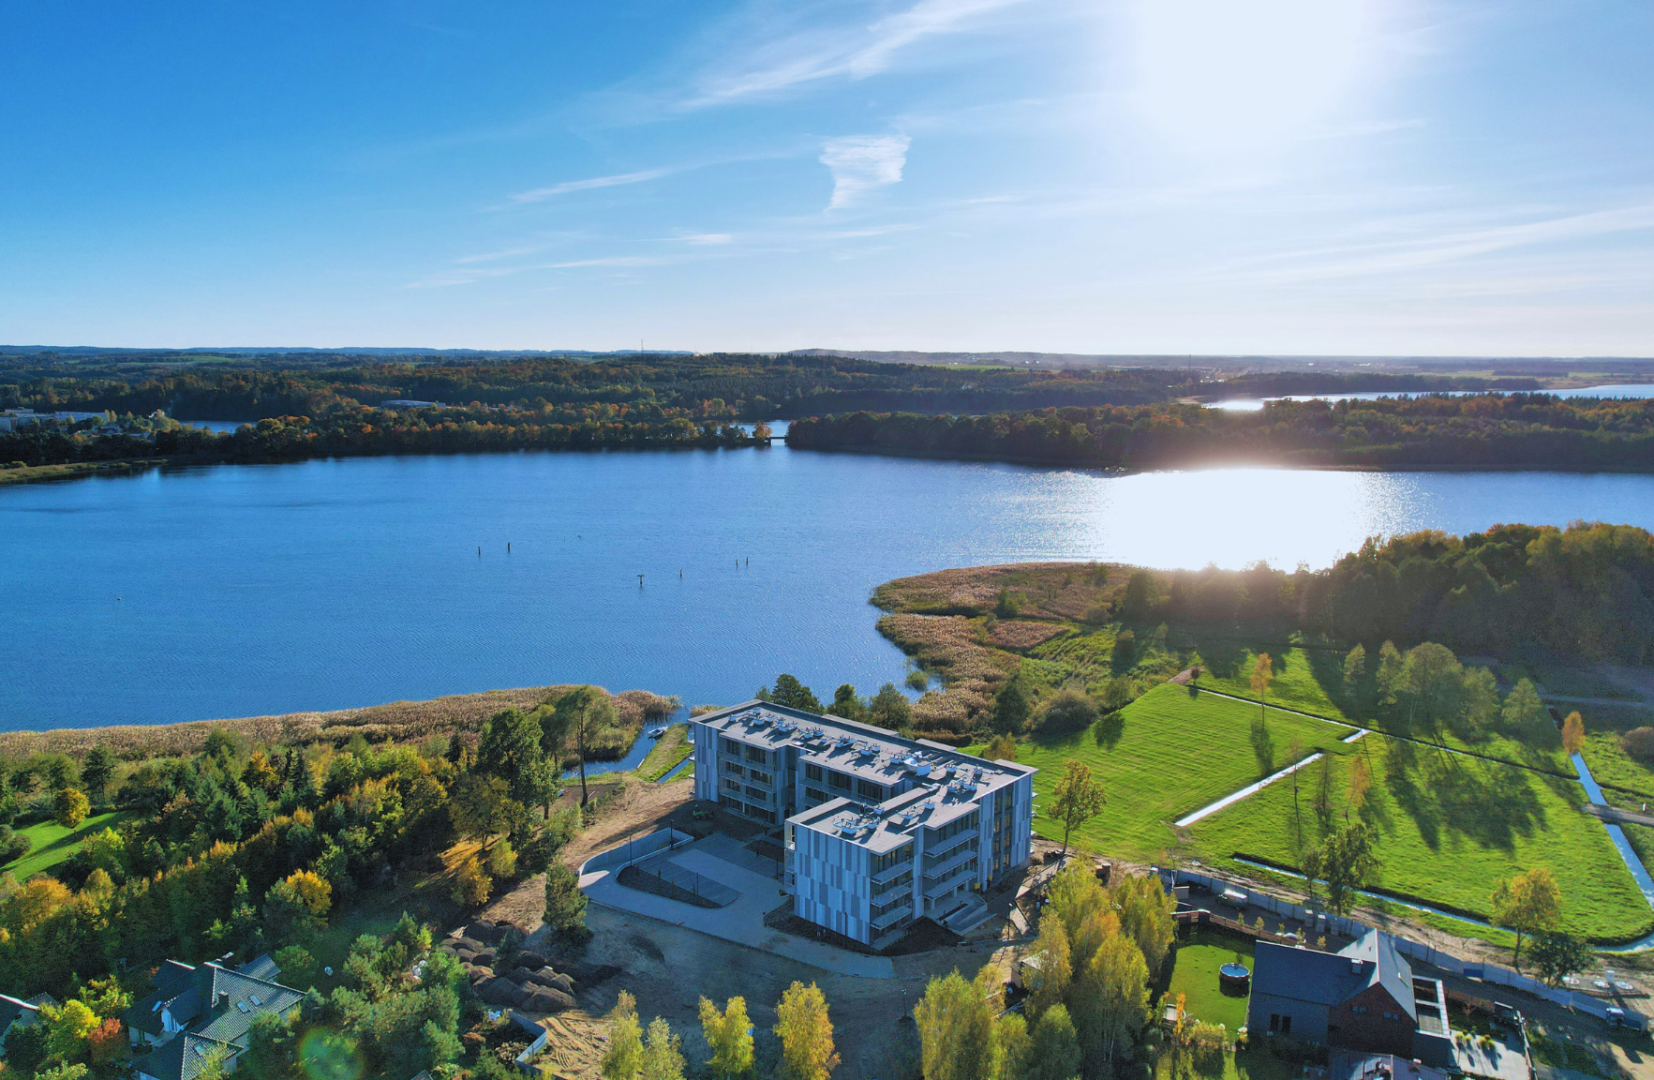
x=1165 y=176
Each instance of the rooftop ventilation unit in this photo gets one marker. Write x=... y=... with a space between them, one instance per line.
x=923 y=771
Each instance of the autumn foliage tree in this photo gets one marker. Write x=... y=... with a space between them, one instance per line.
x=806 y=1034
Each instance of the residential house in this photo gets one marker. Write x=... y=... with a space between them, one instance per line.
x=1362 y=998
x=195 y=1014
x=16 y=1012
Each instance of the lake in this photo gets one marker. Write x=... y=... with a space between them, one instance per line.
x=245 y=590
x=1636 y=391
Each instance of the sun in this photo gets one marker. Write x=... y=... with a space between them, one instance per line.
x=1221 y=76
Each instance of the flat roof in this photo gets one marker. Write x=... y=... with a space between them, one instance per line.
x=949 y=783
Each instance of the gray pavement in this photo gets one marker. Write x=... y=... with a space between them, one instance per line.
x=752 y=879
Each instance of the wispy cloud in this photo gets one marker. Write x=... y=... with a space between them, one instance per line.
x=570 y=186
x=852 y=52
x=1440 y=247
x=706 y=239
x=860 y=163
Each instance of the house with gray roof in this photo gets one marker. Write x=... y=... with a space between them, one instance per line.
x=195 y=1014
x=1364 y=998
x=18 y=1012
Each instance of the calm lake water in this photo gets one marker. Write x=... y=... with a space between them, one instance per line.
x=1636 y=391
x=243 y=590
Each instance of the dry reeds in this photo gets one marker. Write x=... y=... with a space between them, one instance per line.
x=396 y=721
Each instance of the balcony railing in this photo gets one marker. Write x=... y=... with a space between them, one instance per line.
x=894 y=915
x=891 y=871
x=938 y=886
x=943 y=867
x=948 y=847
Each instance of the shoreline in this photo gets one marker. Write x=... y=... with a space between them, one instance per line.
x=447 y=715
x=1120 y=470
x=68 y=471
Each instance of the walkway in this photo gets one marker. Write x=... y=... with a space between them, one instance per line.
x=1615 y=833
x=1237 y=796
x=752 y=879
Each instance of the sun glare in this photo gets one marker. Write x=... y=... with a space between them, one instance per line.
x=1216 y=76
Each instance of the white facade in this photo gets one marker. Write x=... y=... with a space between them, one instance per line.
x=879 y=830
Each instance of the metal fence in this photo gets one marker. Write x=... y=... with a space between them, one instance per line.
x=1416 y=950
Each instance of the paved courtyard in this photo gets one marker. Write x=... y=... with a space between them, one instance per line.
x=751 y=878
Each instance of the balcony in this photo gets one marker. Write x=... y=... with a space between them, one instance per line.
x=893 y=916
x=892 y=870
x=948 y=847
x=943 y=867
x=937 y=886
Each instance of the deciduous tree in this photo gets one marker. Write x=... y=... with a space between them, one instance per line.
x=586 y=711
x=728 y=1037
x=1529 y=904
x=624 y=1058
x=1344 y=861
x=1077 y=799
x=955 y=1020
x=806 y=1034
x=1055 y=1050
x=1573 y=734
x=1556 y=956
x=70 y=808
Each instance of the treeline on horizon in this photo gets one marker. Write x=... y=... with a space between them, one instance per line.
x=1488 y=430
x=717 y=387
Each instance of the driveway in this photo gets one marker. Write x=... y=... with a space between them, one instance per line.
x=751 y=877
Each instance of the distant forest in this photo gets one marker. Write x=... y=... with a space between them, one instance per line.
x=1529 y=431
x=318 y=404
x=653 y=387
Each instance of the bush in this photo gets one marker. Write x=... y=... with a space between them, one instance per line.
x=1009 y=604
x=70 y=808
x=13 y=845
x=1125 y=647
x=1068 y=712
x=472 y=887
x=1639 y=743
x=502 y=861
x=918 y=680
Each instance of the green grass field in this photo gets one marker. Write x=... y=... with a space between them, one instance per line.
x=1450 y=827
x=1165 y=754
x=1195 y=976
x=1614 y=768
x=53 y=843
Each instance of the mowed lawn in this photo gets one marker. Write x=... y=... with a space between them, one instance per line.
x=1165 y=754
x=1195 y=976
x=1449 y=828
x=53 y=843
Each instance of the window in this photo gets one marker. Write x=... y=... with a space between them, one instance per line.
x=815 y=793
x=1286 y=1025
x=733 y=785
x=758 y=777
x=812 y=772
x=757 y=793
x=1391 y=1016
x=730 y=746
x=868 y=789
x=838 y=780
x=732 y=767
x=1359 y=1010
x=756 y=754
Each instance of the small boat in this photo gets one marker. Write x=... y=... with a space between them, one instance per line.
x=655 y=733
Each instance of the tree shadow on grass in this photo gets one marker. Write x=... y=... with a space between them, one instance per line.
x=1489 y=805
x=1263 y=747
x=1109 y=729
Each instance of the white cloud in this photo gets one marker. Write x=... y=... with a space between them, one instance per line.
x=856 y=52
x=569 y=186
x=860 y=163
x=704 y=239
